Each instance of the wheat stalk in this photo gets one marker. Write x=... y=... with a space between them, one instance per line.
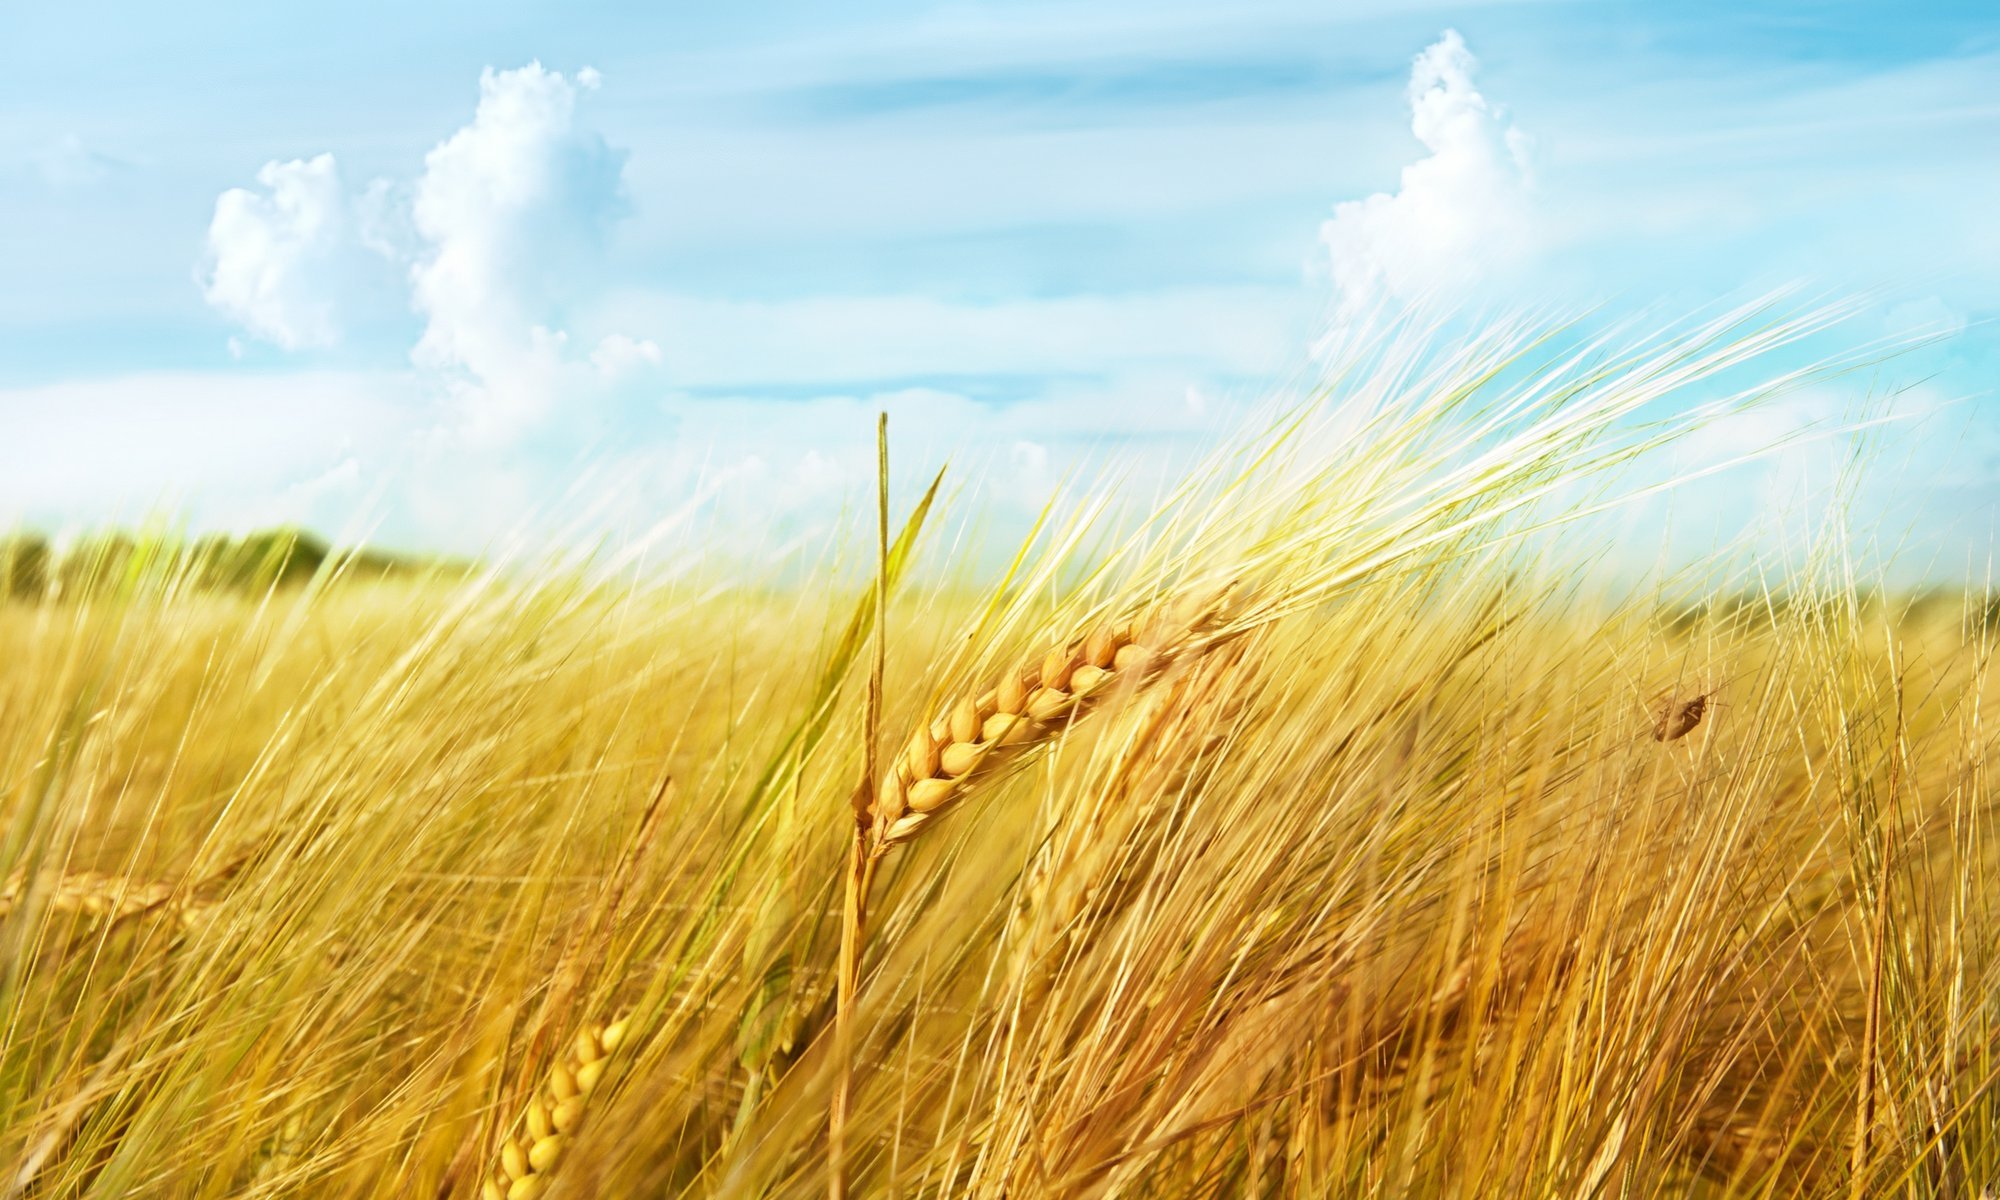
x=1868 y=1083
x=1174 y=747
x=978 y=738
x=855 y=898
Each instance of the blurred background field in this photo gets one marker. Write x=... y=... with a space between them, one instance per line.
x=1421 y=907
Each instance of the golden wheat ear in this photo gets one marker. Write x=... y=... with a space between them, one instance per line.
x=113 y=899
x=529 y=1155
x=1030 y=706
x=530 y=1152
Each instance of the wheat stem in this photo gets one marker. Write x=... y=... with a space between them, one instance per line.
x=854 y=906
x=1860 y=1159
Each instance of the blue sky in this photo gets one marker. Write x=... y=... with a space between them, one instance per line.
x=419 y=266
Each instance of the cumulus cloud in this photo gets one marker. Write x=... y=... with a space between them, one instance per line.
x=494 y=238
x=280 y=260
x=1461 y=214
x=506 y=210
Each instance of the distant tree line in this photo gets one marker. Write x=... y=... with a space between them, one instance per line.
x=111 y=563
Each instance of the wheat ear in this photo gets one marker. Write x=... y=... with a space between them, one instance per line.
x=99 y=896
x=529 y=1155
x=1031 y=705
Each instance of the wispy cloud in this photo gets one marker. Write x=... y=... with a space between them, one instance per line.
x=1058 y=94
x=69 y=164
x=231 y=446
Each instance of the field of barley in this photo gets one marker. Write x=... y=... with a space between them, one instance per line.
x=1322 y=826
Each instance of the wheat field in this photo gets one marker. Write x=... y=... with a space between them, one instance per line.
x=1317 y=828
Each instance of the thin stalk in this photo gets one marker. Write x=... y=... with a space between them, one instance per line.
x=854 y=910
x=1871 y=1032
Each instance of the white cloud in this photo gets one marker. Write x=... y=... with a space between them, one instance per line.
x=507 y=209
x=496 y=238
x=280 y=260
x=618 y=355
x=1461 y=214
